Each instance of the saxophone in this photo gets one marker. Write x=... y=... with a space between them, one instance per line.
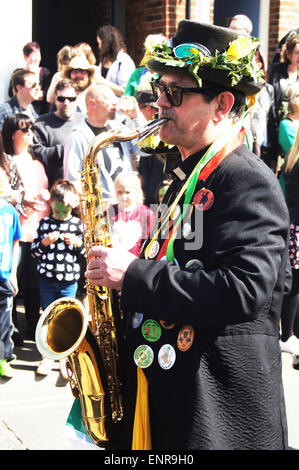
x=65 y=330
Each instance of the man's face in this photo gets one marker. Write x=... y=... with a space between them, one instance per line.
x=33 y=59
x=65 y=103
x=188 y=125
x=106 y=103
x=31 y=90
x=240 y=26
x=81 y=78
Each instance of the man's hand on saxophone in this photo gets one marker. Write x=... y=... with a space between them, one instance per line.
x=107 y=266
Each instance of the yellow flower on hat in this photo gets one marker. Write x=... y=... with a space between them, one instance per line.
x=150 y=43
x=240 y=48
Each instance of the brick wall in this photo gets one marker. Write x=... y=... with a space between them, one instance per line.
x=145 y=17
x=283 y=17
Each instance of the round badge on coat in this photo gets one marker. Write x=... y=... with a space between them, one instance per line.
x=166 y=356
x=151 y=330
x=154 y=249
x=137 y=319
x=185 y=338
x=186 y=230
x=143 y=356
x=203 y=199
x=175 y=212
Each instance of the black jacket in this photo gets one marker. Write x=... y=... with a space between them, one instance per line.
x=225 y=391
x=278 y=72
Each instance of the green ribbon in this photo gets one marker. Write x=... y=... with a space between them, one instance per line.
x=214 y=148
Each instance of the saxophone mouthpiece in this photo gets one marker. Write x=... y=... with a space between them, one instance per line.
x=150 y=128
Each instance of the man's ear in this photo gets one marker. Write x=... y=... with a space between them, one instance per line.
x=225 y=101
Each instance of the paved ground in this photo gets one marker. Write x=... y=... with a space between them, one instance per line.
x=33 y=410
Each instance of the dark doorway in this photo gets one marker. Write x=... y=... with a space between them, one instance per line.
x=224 y=11
x=56 y=23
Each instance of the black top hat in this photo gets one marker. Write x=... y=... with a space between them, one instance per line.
x=208 y=52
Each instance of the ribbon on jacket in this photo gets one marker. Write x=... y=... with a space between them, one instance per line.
x=141 y=430
x=206 y=165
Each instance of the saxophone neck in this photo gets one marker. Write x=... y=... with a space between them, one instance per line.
x=107 y=138
x=150 y=128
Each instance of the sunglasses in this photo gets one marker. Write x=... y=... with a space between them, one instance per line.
x=62 y=99
x=82 y=71
x=174 y=93
x=26 y=128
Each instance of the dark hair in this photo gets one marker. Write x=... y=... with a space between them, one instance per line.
x=12 y=124
x=112 y=43
x=239 y=98
x=58 y=191
x=63 y=84
x=60 y=188
x=64 y=55
x=30 y=47
x=18 y=77
x=289 y=46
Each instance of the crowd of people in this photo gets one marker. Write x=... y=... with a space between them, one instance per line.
x=243 y=278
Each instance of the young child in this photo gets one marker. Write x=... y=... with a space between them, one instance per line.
x=10 y=234
x=131 y=220
x=57 y=246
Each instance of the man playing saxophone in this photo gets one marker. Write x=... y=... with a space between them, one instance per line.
x=202 y=303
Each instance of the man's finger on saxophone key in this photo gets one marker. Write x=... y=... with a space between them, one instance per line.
x=107 y=266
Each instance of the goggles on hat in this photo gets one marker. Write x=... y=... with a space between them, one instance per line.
x=185 y=50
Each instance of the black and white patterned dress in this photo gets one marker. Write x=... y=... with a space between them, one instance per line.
x=58 y=261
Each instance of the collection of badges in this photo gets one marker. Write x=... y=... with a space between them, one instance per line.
x=152 y=331
x=202 y=201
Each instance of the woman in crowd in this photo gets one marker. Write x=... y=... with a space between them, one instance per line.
x=115 y=64
x=27 y=176
x=289 y=317
x=64 y=56
x=290 y=124
x=282 y=76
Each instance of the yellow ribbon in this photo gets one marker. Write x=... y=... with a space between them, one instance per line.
x=141 y=431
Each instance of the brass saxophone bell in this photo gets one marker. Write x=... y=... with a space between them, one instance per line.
x=61 y=328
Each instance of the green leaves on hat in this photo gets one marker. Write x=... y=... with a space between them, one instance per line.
x=236 y=61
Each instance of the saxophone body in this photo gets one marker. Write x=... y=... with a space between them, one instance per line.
x=89 y=339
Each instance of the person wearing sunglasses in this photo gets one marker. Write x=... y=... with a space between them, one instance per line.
x=29 y=179
x=201 y=363
x=26 y=89
x=53 y=129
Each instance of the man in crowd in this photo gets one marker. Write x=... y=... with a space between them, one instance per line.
x=26 y=89
x=242 y=24
x=201 y=365
x=101 y=108
x=53 y=129
x=82 y=73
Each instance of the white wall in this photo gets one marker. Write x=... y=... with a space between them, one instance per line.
x=264 y=28
x=15 y=31
x=202 y=11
